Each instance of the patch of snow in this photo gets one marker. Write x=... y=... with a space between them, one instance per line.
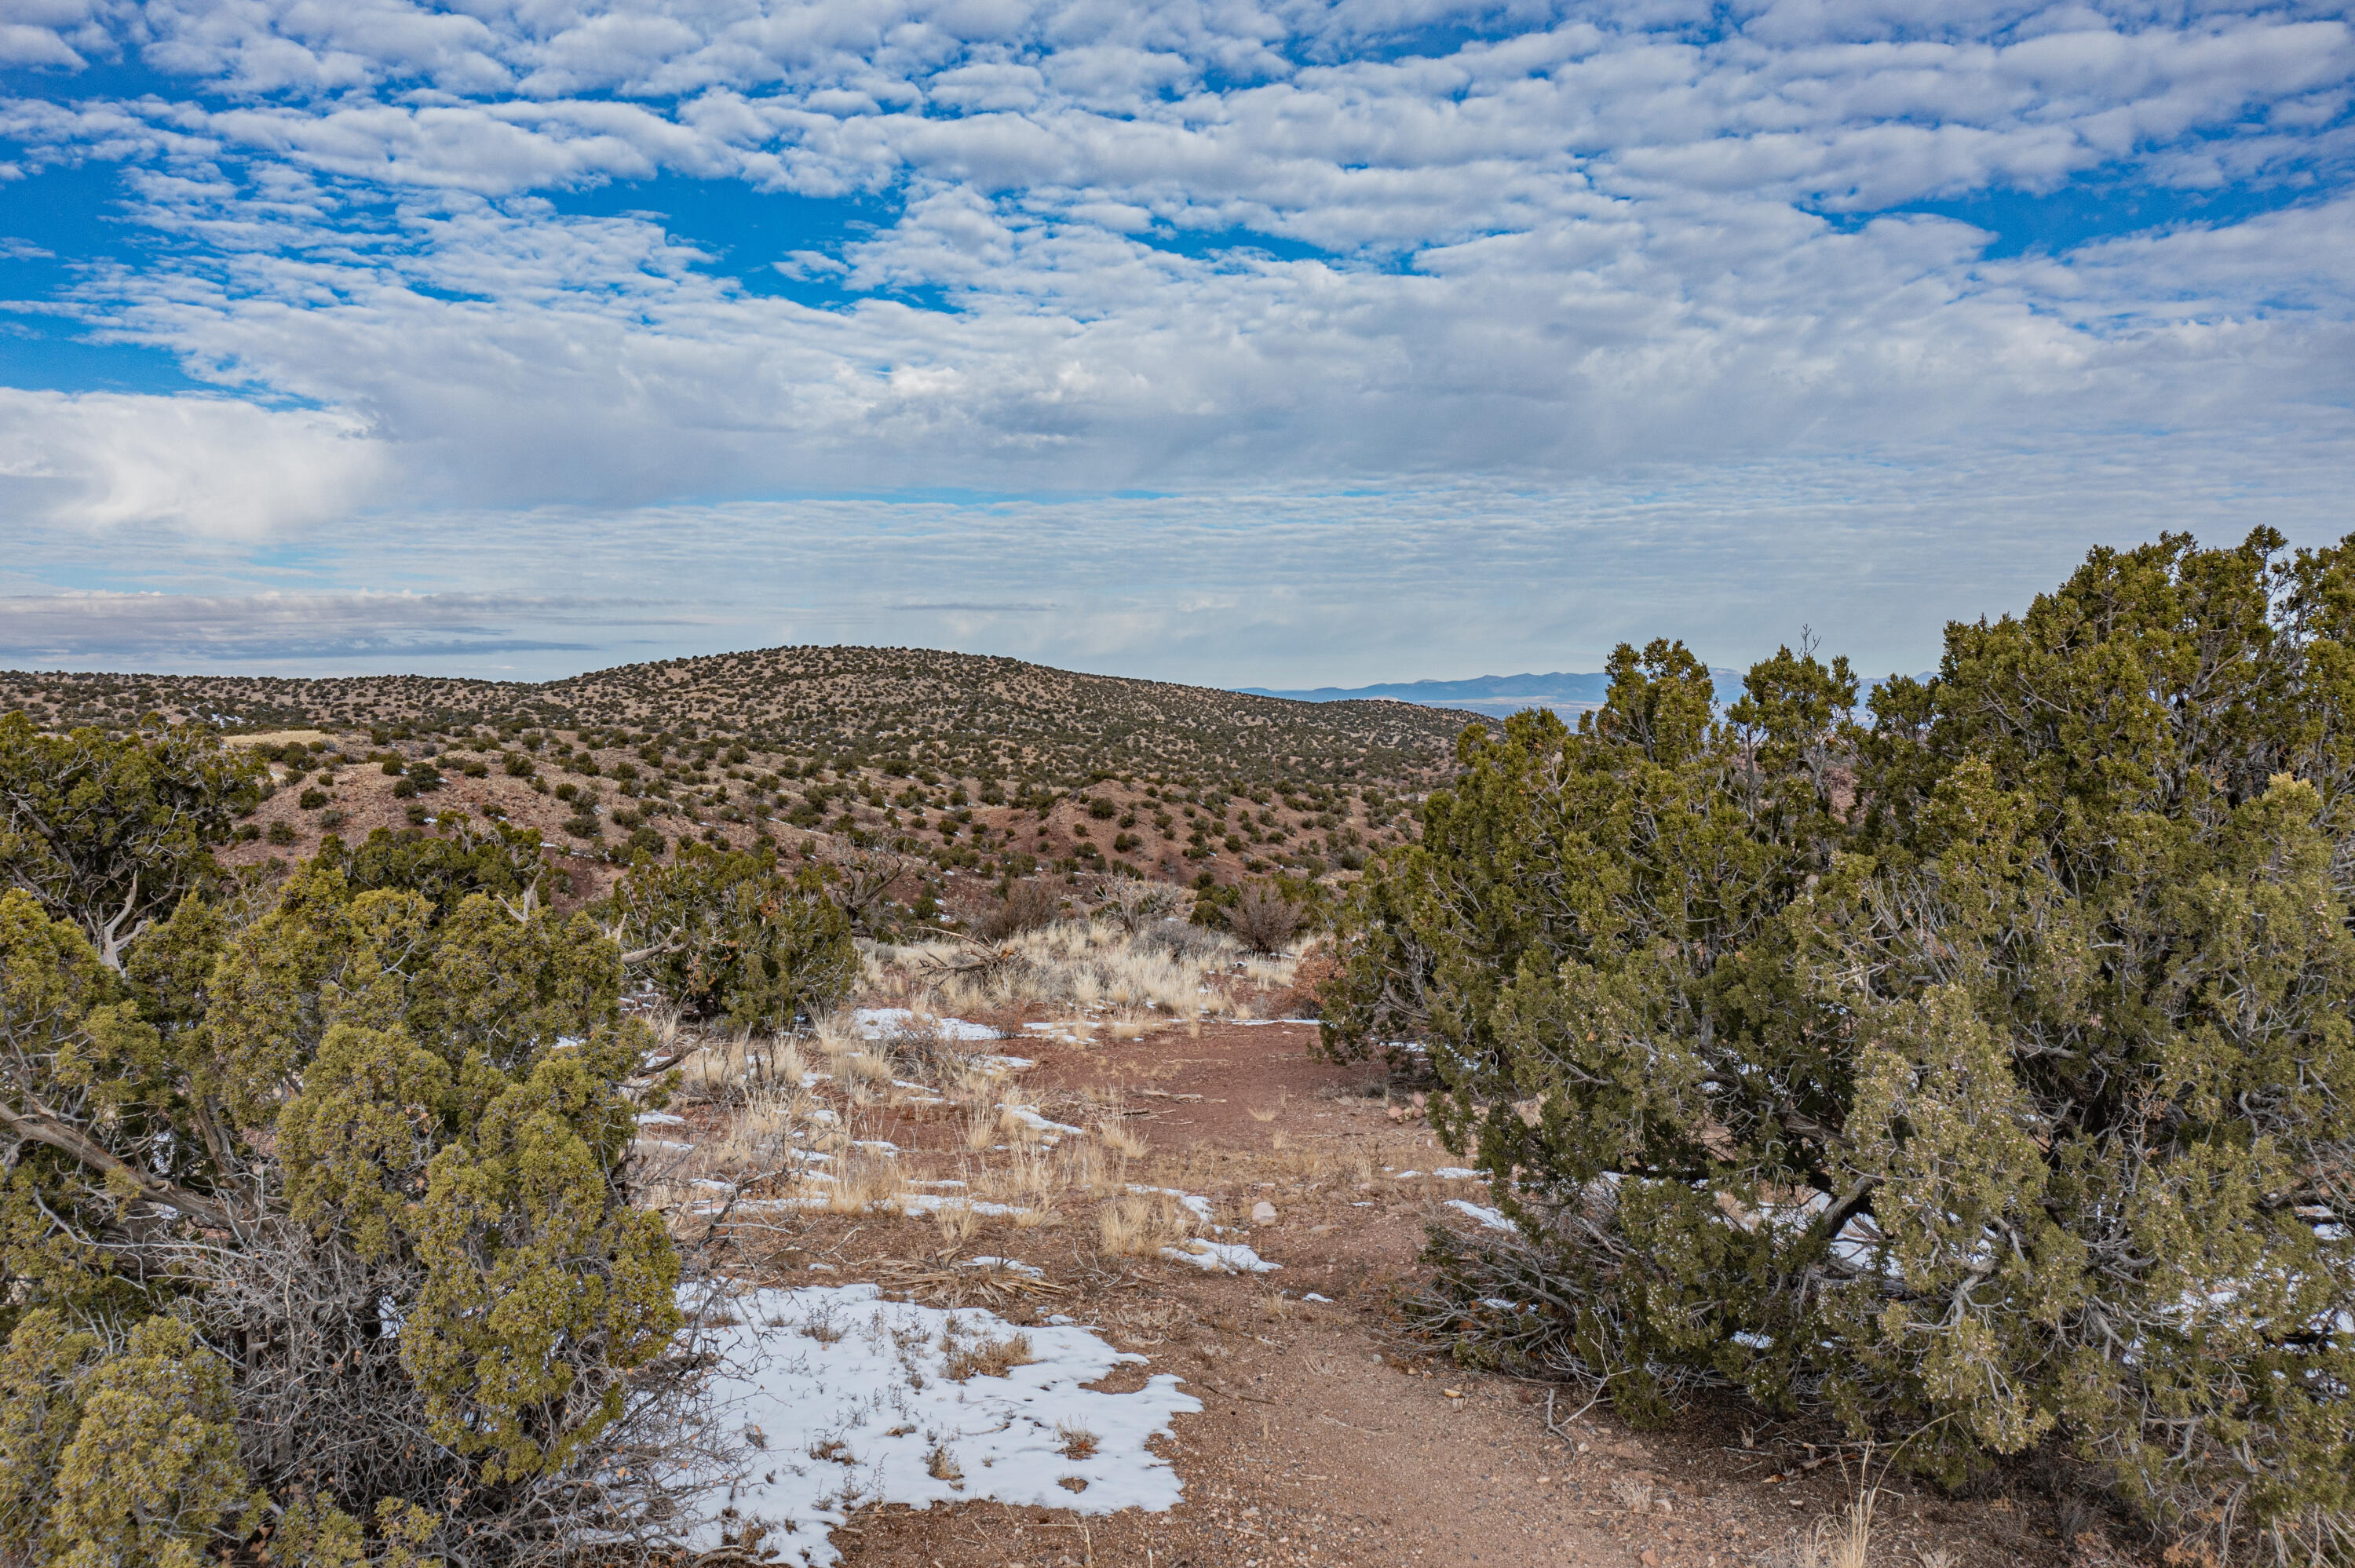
x=876 y=1022
x=1220 y=1258
x=663 y=1143
x=1029 y=1116
x=1455 y=1173
x=882 y=1146
x=1482 y=1213
x=1408 y=1175
x=1016 y=1265
x=1755 y=1341
x=1312 y=1295
x=869 y=1414
x=1007 y=1064
x=1193 y=1204
x=660 y=1118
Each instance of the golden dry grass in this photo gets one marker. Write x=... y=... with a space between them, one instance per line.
x=984 y=1357
x=1138 y=1225
x=1079 y=965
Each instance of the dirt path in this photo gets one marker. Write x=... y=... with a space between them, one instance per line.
x=1326 y=1437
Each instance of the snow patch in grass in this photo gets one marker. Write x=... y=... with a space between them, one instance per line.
x=844 y=1400
x=876 y=1022
x=1193 y=1204
x=1030 y=1119
x=1482 y=1213
x=1220 y=1258
x=1456 y=1173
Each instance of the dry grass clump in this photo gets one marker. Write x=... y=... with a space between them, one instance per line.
x=1083 y=964
x=1027 y=1176
x=863 y=1181
x=1086 y=1166
x=1139 y=1224
x=1112 y=1132
x=1845 y=1541
x=957 y=1223
x=984 y=1357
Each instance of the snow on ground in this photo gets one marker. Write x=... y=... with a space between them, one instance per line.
x=879 y=1023
x=1220 y=1258
x=1456 y=1173
x=844 y=1399
x=1482 y=1213
x=1194 y=1204
x=1029 y=1116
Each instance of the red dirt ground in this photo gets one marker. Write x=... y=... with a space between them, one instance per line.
x=1331 y=1436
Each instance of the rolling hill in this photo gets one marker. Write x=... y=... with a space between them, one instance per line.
x=980 y=764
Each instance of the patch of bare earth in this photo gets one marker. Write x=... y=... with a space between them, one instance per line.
x=1329 y=1435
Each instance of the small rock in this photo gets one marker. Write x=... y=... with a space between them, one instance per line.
x=1263 y=1213
x=1650 y=1559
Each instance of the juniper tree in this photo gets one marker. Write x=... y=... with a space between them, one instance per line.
x=726 y=933
x=111 y=832
x=1981 y=1074
x=314 y=1222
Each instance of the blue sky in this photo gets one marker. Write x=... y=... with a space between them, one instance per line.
x=1253 y=342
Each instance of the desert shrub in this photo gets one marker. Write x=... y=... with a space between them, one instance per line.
x=1028 y=904
x=279 y=832
x=1983 y=1076
x=467 y=858
x=1137 y=907
x=1263 y=919
x=722 y=934
x=318 y=1212
x=112 y=832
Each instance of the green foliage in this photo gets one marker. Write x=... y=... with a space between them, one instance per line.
x=1984 y=1076
x=376 y=1095
x=152 y=1475
x=130 y=1459
x=468 y=857
x=729 y=935
x=109 y=832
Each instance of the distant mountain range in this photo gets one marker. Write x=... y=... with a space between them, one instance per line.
x=1564 y=692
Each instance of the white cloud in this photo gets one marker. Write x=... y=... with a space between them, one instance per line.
x=213 y=465
x=1566 y=243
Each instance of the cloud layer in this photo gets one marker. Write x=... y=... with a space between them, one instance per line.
x=657 y=259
